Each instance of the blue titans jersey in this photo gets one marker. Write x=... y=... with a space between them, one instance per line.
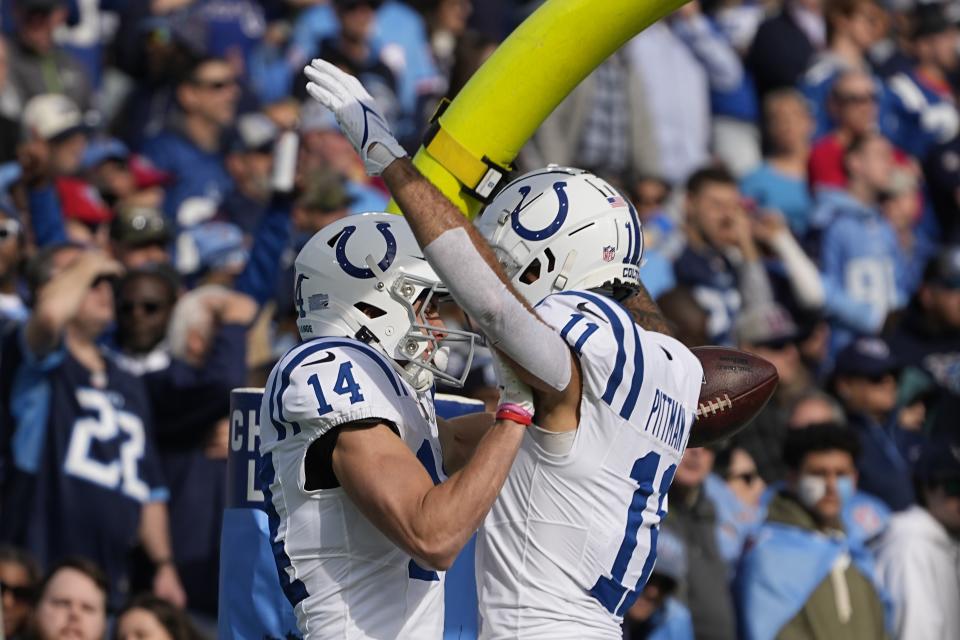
x=79 y=459
x=864 y=273
x=713 y=282
x=195 y=173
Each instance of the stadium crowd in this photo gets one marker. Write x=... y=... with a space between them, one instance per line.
x=796 y=167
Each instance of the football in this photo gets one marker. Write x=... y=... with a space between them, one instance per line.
x=736 y=386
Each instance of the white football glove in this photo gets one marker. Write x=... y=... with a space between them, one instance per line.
x=512 y=390
x=357 y=113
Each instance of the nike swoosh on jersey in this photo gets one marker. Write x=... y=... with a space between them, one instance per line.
x=582 y=306
x=327 y=358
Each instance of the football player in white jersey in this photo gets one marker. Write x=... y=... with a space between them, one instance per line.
x=572 y=538
x=363 y=518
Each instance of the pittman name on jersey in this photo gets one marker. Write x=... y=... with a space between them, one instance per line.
x=667 y=421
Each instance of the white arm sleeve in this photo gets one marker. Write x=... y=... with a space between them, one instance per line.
x=753 y=283
x=508 y=325
x=803 y=274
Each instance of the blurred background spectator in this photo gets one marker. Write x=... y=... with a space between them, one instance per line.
x=19 y=579
x=721 y=263
x=72 y=602
x=833 y=591
x=693 y=519
x=656 y=612
x=865 y=381
x=919 y=557
x=149 y=617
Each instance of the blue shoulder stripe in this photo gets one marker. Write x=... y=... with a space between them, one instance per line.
x=616 y=377
x=284 y=377
x=637 y=382
x=275 y=397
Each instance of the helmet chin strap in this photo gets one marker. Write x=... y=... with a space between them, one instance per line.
x=422 y=378
x=418 y=377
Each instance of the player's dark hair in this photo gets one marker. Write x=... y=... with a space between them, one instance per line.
x=818 y=438
x=705 y=176
x=170 y=618
x=15 y=555
x=82 y=565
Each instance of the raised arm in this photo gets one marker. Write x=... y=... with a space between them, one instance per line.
x=460 y=256
x=58 y=300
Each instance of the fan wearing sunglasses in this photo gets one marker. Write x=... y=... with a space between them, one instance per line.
x=145 y=299
x=735 y=488
x=19 y=577
x=189 y=149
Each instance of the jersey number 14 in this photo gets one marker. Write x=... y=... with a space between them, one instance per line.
x=344 y=385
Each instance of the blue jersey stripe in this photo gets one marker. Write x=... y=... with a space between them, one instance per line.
x=629 y=254
x=281 y=430
x=583 y=337
x=293 y=588
x=416 y=572
x=616 y=377
x=304 y=353
x=638 y=238
x=610 y=591
x=425 y=456
x=637 y=382
x=574 y=319
x=274 y=404
x=648 y=564
x=643 y=472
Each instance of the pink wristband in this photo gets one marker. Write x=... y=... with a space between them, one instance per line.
x=514 y=412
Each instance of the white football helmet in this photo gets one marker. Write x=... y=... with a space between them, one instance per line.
x=561 y=228
x=360 y=277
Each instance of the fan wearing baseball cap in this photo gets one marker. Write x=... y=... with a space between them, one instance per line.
x=865 y=380
x=54 y=121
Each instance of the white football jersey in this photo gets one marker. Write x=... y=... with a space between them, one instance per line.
x=572 y=538
x=344 y=577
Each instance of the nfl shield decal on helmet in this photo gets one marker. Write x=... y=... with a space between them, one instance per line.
x=608 y=252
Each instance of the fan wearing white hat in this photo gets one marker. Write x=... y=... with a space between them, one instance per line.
x=56 y=136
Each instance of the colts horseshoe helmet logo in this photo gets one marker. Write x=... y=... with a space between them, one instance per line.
x=365 y=272
x=550 y=229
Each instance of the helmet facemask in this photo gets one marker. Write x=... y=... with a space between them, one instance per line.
x=425 y=347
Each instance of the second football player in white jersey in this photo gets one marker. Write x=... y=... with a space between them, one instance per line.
x=572 y=539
